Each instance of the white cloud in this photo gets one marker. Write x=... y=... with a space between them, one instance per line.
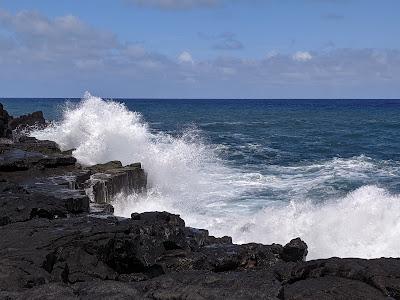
x=185 y=57
x=272 y=54
x=302 y=56
x=37 y=52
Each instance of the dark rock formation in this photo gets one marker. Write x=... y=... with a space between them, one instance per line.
x=294 y=251
x=5 y=131
x=9 y=123
x=154 y=256
x=22 y=122
x=112 y=178
x=54 y=244
x=28 y=153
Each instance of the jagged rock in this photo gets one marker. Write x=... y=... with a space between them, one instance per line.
x=34 y=119
x=32 y=144
x=150 y=256
x=5 y=131
x=111 y=179
x=295 y=250
x=224 y=258
x=101 y=168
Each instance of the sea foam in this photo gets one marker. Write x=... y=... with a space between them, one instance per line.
x=186 y=176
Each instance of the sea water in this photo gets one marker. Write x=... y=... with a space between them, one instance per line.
x=258 y=170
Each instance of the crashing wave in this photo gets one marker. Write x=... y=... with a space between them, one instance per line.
x=187 y=177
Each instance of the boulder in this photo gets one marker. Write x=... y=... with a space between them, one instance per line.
x=295 y=250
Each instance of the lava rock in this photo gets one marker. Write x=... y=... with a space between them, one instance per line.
x=295 y=250
x=331 y=288
x=5 y=130
x=32 y=144
x=115 y=179
x=34 y=119
x=15 y=159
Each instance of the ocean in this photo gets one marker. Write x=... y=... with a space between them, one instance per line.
x=258 y=170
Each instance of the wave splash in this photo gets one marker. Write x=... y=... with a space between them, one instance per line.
x=187 y=177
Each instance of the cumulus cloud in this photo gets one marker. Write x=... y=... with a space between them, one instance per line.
x=35 y=39
x=302 y=56
x=175 y=4
x=66 y=56
x=185 y=57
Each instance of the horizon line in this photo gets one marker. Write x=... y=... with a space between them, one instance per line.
x=150 y=98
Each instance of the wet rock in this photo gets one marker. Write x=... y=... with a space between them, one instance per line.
x=101 y=168
x=77 y=205
x=5 y=130
x=115 y=179
x=295 y=250
x=25 y=121
x=32 y=144
x=101 y=209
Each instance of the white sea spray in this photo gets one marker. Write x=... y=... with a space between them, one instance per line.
x=187 y=177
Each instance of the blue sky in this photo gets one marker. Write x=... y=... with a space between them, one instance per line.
x=200 y=48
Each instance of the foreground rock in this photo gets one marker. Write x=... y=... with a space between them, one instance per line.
x=155 y=256
x=60 y=240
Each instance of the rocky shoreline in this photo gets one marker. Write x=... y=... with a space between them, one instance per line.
x=60 y=239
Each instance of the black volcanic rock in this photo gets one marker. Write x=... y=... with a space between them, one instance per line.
x=5 y=130
x=55 y=243
x=112 y=178
x=331 y=288
x=295 y=250
x=22 y=122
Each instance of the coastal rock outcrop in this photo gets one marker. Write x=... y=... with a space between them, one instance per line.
x=107 y=180
x=22 y=122
x=5 y=131
x=60 y=239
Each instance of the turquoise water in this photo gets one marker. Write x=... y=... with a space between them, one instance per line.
x=265 y=170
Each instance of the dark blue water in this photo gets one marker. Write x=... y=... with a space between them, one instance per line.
x=335 y=155
x=277 y=132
